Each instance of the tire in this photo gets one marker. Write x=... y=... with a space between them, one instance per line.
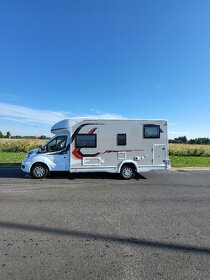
x=39 y=170
x=127 y=172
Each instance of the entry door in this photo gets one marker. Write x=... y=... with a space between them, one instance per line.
x=57 y=152
x=59 y=162
x=159 y=154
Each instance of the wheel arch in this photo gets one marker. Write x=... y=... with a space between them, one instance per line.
x=130 y=163
x=43 y=163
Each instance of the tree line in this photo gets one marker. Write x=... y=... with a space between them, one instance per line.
x=184 y=140
x=9 y=136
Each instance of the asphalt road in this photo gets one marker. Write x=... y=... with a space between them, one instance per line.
x=100 y=227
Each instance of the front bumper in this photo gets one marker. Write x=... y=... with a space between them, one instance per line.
x=26 y=166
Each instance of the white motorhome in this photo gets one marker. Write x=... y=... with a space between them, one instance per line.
x=102 y=145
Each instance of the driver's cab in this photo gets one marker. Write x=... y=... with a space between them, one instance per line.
x=58 y=143
x=56 y=152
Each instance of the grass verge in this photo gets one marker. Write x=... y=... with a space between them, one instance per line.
x=11 y=157
x=189 y=161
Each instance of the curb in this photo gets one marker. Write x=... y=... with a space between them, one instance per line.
x=10 y=165
x=186 y=169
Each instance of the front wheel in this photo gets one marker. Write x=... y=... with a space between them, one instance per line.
x=39 y=170
x=127 y=172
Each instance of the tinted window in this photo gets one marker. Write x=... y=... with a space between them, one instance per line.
x=86 y=141
x=121 y=139
x=151 y=131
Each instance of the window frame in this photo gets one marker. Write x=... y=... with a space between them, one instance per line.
x=85 y=146
x=124 y=140
x=149 y=126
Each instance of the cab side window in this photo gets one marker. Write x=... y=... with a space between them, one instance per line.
x=57 y=144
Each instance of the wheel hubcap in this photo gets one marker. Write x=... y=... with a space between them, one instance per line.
x=39 y=171
x=127 y=172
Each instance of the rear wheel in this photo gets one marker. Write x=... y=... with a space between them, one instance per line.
x=39 y=170
x=127 y=172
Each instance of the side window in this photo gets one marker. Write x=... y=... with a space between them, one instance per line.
x=121 y=139
x=86 y=141
x=57 y=144
x=151 y=131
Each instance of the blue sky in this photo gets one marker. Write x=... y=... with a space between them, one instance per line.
x=107 y=58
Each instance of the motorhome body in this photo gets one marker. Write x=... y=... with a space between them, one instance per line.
x=102 y=145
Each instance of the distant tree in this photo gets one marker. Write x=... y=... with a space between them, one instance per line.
x=183 y=140
x=180 y=140
x=43 y=137
x=203 y=141
x=29 y=137
x=1 y=134
x=16 y=137
x=191 y=141
x=8 y=135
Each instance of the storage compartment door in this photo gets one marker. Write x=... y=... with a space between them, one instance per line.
x=91 y=161
x=159 y=154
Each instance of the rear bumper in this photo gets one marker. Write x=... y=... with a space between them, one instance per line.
x=149 y=168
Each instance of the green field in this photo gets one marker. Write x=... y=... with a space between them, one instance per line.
x=189 y=161
x=13 y=151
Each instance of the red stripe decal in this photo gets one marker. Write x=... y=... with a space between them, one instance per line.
x=74 y=152
x=92 y=130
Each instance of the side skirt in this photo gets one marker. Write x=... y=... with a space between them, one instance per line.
x=110 y=169
x=116 y=169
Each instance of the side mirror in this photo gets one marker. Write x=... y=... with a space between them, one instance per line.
x=43 y=149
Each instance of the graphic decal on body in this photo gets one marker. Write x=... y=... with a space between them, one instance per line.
x=76 y=152
x=80 y=127
x=120 y=151
x=79 y=155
